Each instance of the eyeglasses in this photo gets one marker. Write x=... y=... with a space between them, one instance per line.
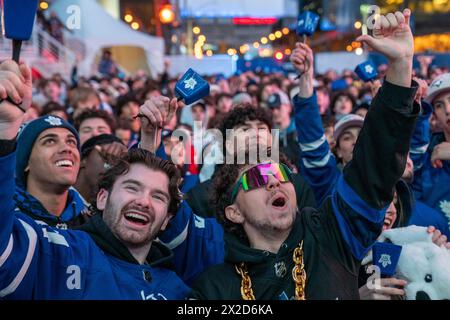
x=258 y=177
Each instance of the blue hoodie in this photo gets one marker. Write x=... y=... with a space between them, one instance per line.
x=430 y=185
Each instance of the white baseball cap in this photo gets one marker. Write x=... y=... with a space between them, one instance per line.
x=439 y=85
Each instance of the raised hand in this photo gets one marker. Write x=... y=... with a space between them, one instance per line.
x=425 y=61
x=423 y=89
x=392 y=36
x=302 y=58
x=15 y=83
x=441 y=153
x=111 y=152
x=154 y=114
x=157 y=112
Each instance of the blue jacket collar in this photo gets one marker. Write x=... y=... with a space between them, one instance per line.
x=33 y=207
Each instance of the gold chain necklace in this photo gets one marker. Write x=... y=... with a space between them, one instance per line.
x=298 y=274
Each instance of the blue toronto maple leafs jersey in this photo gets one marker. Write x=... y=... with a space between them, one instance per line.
x=41 y=262
x=430 y=185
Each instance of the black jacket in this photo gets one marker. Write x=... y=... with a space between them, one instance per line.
x=338 y=235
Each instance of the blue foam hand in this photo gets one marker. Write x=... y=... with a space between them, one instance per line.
x=307 y=23
x=366 y=71
x=386 y=256
x=19 y=18
x=191 y=87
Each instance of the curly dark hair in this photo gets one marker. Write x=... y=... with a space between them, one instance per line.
x=223 y=182
x=92 y=113
x=122 y=166
x=239 y=116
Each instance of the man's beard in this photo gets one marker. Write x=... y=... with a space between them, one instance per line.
x=114 y=223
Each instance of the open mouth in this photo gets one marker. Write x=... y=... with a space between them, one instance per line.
x=279 y=201
x=64 y=163
x=387 y=222
x=136 y=218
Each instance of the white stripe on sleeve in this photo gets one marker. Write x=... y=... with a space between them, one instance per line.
x=32 y=240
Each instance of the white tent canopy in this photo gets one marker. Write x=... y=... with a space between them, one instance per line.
x=100 y=30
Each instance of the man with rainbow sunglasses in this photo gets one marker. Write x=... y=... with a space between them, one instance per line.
x=273 y=251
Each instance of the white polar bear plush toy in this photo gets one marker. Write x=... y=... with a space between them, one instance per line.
x=424 y=265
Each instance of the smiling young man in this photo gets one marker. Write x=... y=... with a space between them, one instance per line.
x=48 y=161
x=115 y=256
x=274 y=252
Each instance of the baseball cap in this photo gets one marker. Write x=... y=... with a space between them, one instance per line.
x=277 y=99
x=439 y=85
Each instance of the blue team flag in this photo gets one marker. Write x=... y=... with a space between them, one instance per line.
x=386 y=256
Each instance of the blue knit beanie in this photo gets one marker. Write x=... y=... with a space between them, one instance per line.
x=28 y=135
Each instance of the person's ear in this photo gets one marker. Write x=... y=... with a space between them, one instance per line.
x=233 y=214
x=102 y=197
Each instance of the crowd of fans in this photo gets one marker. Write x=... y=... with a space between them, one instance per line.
x=342 y=141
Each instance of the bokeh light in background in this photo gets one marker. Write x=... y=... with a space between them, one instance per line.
x=196 y=30
x=166 y=15
x=43 y=5
x=128 y=18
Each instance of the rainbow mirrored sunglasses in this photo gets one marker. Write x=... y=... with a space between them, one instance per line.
x=258 y=177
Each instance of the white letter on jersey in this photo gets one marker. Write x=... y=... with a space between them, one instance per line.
x=74 y=280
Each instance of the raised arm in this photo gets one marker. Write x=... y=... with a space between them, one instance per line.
x=379 y=158
x=317 y=163
x=17 y=241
